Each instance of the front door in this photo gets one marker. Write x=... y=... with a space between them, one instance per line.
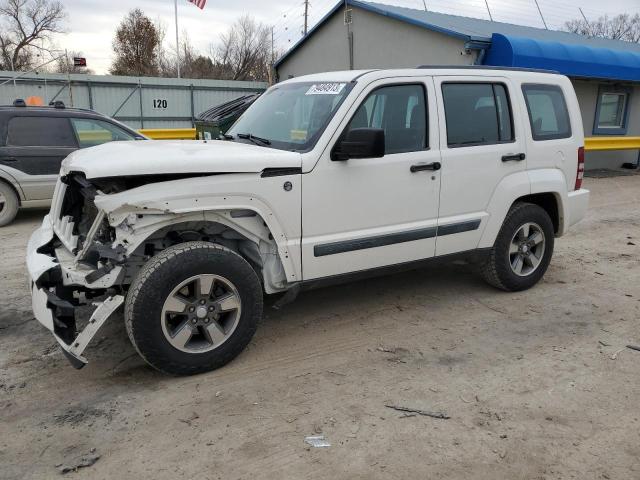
x=364 y=213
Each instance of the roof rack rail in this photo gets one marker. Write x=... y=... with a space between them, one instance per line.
x=19 y=102
x=487 y=67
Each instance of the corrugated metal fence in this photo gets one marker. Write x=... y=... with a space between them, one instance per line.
x=145 y=102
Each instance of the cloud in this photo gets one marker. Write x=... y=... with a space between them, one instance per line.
x=91 y=24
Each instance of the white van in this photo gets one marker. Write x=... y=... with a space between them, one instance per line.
x=323 y=177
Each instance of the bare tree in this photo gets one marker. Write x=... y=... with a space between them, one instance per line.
x=621 y=27
x=65 y=64
x=192 y=63
x=244 y=52
x=137 y=45
x=26 y=27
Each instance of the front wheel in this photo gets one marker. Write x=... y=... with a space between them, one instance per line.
x=523 y=249
x=193 y=308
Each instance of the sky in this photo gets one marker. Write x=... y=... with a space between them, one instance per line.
x=90 y=24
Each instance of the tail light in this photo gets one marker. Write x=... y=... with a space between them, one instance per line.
x=580 y=172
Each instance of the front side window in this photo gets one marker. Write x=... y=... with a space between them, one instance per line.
x=40 y=132
x=548 y=114
x=96 y=132
x=292 y=116
x=477 y=114
x=400 y=110
x=612 y=111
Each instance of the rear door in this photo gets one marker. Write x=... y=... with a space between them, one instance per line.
x=481 y=133
x=34 y=149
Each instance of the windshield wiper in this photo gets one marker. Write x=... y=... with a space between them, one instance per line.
x=254 y=139
x=226 y=136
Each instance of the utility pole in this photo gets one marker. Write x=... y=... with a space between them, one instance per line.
x=541 y=16
x=66 y=57
x=271 y=70
x=175 y=9
x=306 y=16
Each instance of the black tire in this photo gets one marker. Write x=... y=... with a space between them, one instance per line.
x=158 y=279
x=497 y=269
x=9 y=204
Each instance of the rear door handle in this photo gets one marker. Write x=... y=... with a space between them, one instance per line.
x=518 y=157
x=418 y=167
x=8 y=159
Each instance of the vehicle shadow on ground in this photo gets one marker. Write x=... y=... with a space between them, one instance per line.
x=329 y=306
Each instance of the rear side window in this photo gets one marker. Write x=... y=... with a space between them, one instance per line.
x=477 y=114
x=548 y=112
x=92 y=132
x=40 y=132
x=400 y=110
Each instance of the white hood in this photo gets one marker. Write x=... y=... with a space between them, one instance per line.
x=156 y=157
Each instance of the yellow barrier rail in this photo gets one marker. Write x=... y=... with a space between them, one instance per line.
x=591 y=144
x=169 y=133
x=597 y=144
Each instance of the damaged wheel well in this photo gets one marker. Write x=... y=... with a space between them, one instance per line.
x=257 y=246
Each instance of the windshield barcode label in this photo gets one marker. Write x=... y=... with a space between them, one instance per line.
x=325 y=89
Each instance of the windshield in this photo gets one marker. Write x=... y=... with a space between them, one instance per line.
x=292 y=116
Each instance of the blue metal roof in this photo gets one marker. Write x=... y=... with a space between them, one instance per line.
x=573 y=60
x=478 y=31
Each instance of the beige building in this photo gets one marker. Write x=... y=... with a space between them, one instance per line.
x=361 y=35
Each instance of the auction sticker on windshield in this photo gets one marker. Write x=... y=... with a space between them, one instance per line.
x=325 y=89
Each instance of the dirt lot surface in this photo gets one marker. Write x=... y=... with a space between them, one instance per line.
x=538 y=385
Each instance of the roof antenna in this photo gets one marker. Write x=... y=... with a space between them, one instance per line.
x=541 y=16
x=424 y=2
x=488 y=9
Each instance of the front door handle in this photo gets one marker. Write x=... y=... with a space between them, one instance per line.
x=518 y=157
x=8 y=159
x=418 y=167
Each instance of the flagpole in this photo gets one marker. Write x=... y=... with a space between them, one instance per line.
x=177 y=39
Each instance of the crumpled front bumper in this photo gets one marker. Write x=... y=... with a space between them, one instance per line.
x=54 y=312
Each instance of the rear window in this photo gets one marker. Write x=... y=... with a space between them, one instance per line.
x=477 y=114
x=40 y=132
x=548 y=114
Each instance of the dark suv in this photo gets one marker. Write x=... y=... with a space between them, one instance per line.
x=33 y=143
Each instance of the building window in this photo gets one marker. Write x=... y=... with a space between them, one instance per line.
x=612 y=111
x=477 y=114
x=548 y=114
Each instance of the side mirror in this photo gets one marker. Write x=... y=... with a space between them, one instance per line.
x=360 y=143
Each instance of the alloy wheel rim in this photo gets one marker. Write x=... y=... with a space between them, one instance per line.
x=201 y=313
x=527 y=249
x=3 y=202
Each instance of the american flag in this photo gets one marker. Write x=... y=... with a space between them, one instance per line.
x=199 y=3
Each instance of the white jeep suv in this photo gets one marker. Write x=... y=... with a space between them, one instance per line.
x=324 y=176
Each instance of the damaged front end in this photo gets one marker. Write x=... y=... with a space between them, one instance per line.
x=101 y=232
x=71 y=264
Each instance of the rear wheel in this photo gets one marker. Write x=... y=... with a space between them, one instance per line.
x=193 y=308
x=523 y=249
x=8 y=204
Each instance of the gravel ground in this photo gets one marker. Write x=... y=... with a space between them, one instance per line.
x=537 y=385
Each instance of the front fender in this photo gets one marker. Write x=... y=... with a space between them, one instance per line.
x=280 y=209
